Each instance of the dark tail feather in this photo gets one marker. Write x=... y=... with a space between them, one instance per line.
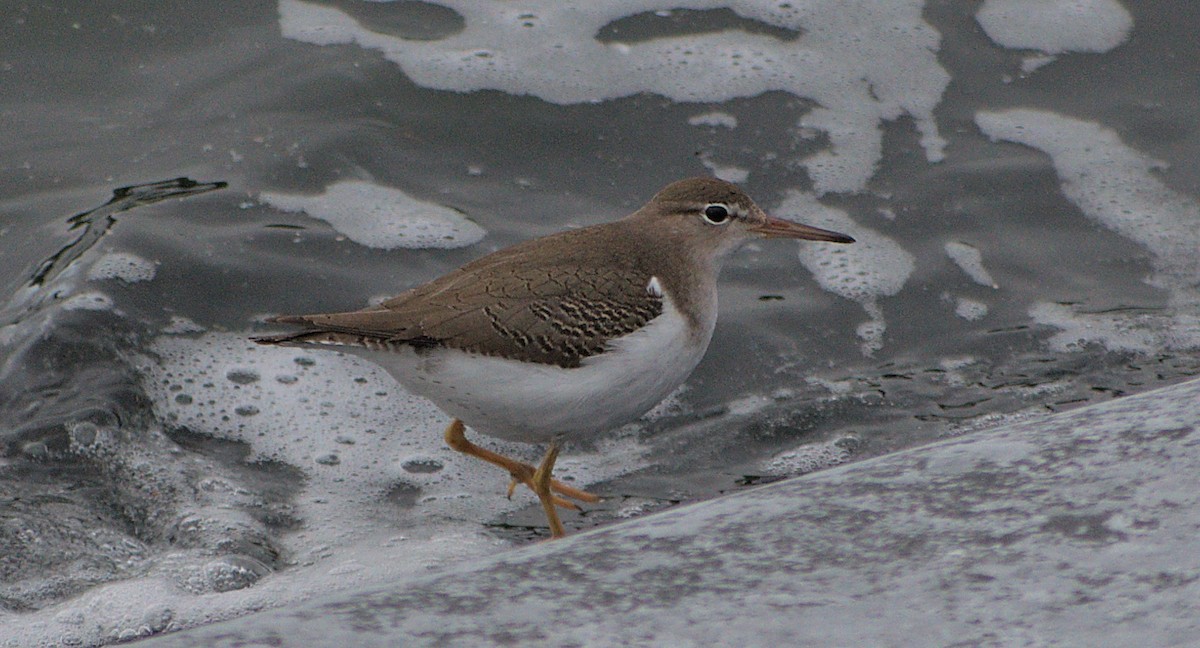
x=284 y=338
x=298 y=337
x=327 y=330
x=323 y=338
x=290 y=319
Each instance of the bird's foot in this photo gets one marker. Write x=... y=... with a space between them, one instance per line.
x=521 y=472
x=525 y=475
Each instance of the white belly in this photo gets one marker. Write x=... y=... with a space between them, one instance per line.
x=522 y=401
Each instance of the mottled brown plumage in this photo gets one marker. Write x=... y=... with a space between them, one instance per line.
x=501 y=306
x=523 y=304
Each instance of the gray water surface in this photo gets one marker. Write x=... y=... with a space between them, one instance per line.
x=1026 y=214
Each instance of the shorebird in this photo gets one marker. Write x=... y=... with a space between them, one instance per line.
x=564 y=336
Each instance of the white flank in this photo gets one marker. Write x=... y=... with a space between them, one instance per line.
x=524 y=401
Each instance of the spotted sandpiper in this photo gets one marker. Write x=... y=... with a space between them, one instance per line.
x=564 y=336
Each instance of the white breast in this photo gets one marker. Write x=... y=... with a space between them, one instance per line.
x=523 y=401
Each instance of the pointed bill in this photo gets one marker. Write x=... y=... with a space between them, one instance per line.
x=778 y=228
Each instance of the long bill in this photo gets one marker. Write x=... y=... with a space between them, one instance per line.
x=779 y=228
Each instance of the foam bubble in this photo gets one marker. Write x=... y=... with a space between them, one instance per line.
x=713 y=119
x=726 y=172
x=180 y=325
x=1137 y=334
x=1030 y=64
x=123 y=266
x=382 y=217
x=874 y=266
x=835 y=387
x=809 y=457
x=970 y=261
x=1056 y=27
x=673 y=405
x=748 y=405
x=862 y=63
x=95 y=301
x=970 y=309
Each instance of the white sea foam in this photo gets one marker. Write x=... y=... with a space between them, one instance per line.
x=92 y=300
x=382 y=217
x=970 y=309
x=714 y=119
x=860 y=63
x=1115 y=186
x=807 y=458
x=331 y=415
x=122 y=266
x=350 y=429
x=673 y=405
x=1035 y=61
x=1141 y=334
x=303 y=408
x=968 y=258
x=726 y=172
x=874 y=266
x=1056 y=26
x=179 y=325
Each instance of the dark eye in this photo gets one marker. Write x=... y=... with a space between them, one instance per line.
x=716 y=214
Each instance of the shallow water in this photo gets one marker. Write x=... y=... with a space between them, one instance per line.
x=1026 y=210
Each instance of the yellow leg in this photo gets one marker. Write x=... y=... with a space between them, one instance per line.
x=521 y=472
x=541 y=486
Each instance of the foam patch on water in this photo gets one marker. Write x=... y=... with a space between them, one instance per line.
x=970 y=309
x=808 y=457
x=129 y=609
x=1140 y=334
x=179 y=324
x=382 y=217
x=1115 y=186
x=713 y=119
x=356 y=436
x=1031 y=63
x=93 y=300
x=968 y=258
x=1056 y=26
x=748 y=405
x=122 y=266
x=874 y=266
x=860 y=63
x=673 y=405
x=341 y=419
x=726 y=172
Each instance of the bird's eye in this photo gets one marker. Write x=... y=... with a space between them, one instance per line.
x=716 y=214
